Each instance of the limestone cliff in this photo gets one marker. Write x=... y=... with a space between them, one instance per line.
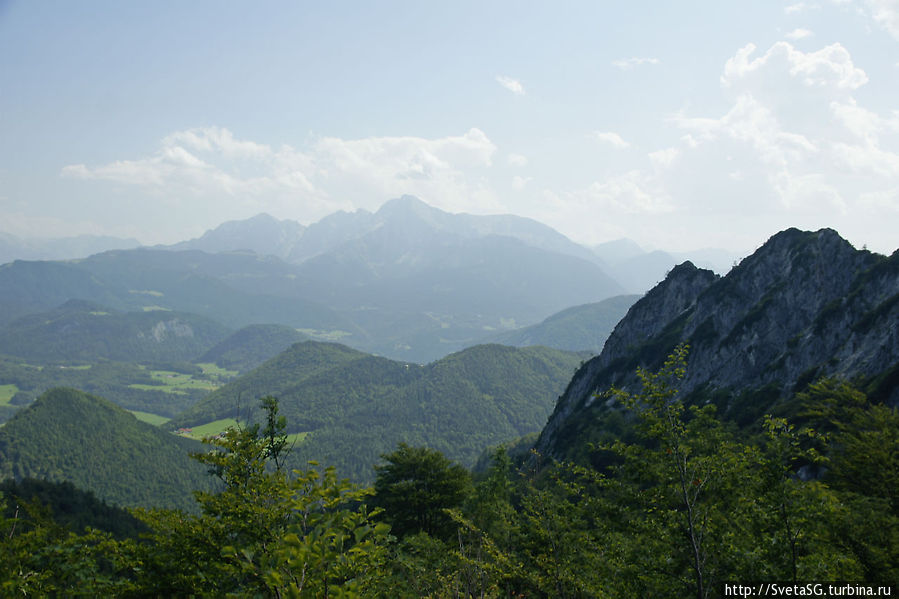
x=804 y=305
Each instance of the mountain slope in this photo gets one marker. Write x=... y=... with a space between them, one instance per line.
x=237 y=289
x=579 y=328
x=252 y=345
x=262 y=234
x=67 y=435
x=80 y=331
x=356 y=406
x=424 y=283
x=803 y=306
x=409 y=281
x=411 y=213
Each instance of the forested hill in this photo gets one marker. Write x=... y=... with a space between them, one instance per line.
x=251 y=346
x=83 y=332
x=355 y=406
x=68 y=435
x=579 y=328
x=803 y=306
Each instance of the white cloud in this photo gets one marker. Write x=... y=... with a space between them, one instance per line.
x=794 y=144
x=830 y=66
x=513 y=85
x=863 y=123
x=627 y=64
x=750 y=122
x=519 y=183
x=443 y=171
x=664 y=158
x=631 y=192
x=611 y=138
x=210 y=167
x=517 y=160
x=884 y=12
x=798 y=7
x=799 y=34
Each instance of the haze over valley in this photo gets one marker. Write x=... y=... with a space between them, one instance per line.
x=463 y=300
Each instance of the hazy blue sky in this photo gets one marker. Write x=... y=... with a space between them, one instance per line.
x=677 y=124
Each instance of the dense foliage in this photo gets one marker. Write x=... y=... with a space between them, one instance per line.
x=251 y=346
x=80 y=331
x=415 y=487
x=127 y=384
x=32 y=500
x=688 y=503
x=356 y=407
x=70 y=435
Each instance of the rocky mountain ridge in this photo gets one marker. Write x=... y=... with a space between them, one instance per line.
x=805 y=305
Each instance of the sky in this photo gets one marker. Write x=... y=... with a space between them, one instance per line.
x=680 y=125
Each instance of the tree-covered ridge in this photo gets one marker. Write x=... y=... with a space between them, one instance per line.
x=356 y=407
x=84 y=332
x=276 y=376
x=252 y=345
x=579 y=328
x=31 y=501
x=129 y=385
x=682 y=504
x=68 y=435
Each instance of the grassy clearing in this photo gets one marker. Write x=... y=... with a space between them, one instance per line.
x=336 y=335
x=174 y=382
x=216 y=427
x=216 y=372
x=6 y=393
x=154 y=419
x=210 y=428
x=296 y=438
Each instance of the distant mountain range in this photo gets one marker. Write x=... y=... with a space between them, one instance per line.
x=409 y=281
x=638 y=270
x=803 y=306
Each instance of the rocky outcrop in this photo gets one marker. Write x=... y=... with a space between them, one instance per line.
x=805 y=305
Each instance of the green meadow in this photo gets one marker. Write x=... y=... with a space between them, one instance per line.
x=154 y=419
x=6 y=393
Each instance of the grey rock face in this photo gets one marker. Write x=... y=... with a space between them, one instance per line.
x=804 y=305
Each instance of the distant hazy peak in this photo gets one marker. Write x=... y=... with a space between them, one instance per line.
x=263 y=234
x=263 y=218
x=618 y=250
x=407 y=202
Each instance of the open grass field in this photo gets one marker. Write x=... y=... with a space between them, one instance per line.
x=335 y=335
x=210 y=428
x=6 y=393
x=175 y=382
x=296 y=438
x=216 y=372
x=219 y=426
x=154 y=419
